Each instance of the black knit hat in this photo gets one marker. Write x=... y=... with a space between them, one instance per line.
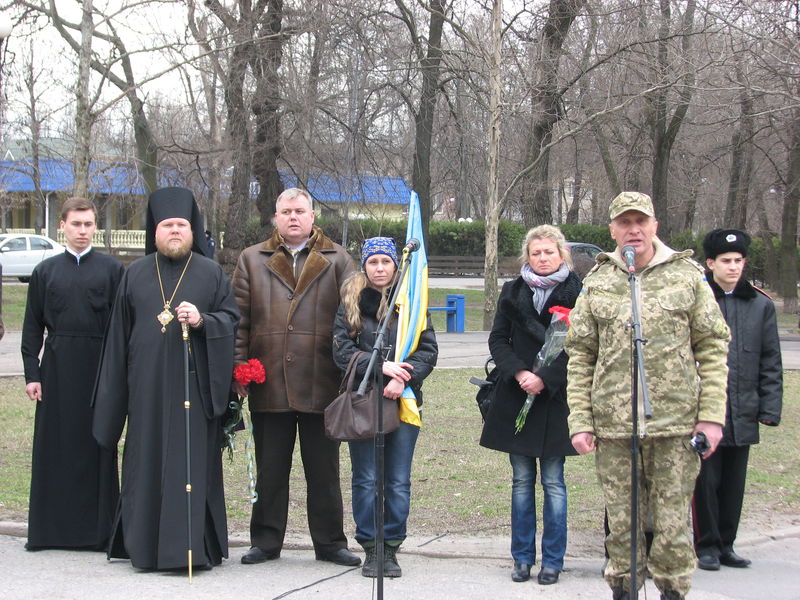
x=720 y=241
x=174 y=203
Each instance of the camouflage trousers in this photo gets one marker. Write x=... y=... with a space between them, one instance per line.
x=668 y=468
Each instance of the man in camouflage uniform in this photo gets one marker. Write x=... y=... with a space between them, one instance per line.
x=685 y=360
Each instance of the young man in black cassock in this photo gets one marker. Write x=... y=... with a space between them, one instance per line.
x=141 y=377
x=74 y=486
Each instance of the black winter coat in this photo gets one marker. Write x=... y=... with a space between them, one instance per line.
x=517 y=336
x=755 y=371
x=423 y=359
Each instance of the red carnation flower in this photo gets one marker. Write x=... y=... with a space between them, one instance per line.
x=562 y=312
x=250 y=372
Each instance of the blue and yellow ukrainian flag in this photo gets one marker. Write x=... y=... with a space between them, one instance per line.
x=412 y=305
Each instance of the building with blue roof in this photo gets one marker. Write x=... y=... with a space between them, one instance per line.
x=120 y=184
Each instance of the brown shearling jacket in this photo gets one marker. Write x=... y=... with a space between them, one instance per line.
x=288 y=306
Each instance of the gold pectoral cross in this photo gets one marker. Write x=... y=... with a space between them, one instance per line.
x=165 y=317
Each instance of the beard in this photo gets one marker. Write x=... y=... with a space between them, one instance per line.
x=172 y=250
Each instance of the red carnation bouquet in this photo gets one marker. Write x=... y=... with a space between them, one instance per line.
x=238 y=417
x=554 y=339
x=250 y=372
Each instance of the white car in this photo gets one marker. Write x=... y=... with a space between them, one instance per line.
x=21 y=252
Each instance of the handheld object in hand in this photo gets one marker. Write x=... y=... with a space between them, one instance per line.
x=700 y=443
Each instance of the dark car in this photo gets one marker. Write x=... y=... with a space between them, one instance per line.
x=583 y=256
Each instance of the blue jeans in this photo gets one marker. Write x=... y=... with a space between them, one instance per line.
x=398 y=454
x=523 y=511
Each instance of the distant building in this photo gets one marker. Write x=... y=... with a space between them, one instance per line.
x=119 y=193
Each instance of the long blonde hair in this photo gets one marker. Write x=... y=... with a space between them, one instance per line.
x=351 y=292
x=546 y=232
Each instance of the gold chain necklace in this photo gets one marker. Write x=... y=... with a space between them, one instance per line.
x=165 y=316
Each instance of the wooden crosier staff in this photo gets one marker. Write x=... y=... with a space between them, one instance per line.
x=187 y=405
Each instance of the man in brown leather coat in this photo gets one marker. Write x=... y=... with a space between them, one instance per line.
x=287 y=289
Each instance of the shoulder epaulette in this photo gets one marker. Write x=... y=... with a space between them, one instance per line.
x=758 y=289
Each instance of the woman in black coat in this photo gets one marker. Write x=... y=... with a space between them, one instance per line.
x=518 y=333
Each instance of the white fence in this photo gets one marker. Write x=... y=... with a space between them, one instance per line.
x=120 y=238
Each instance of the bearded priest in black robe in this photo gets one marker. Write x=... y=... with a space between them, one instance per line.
x=141 y=378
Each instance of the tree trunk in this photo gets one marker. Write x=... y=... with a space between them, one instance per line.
x=770 y=275
x=608 y=162
x=665 y=129
x=266 y=105
x=493 y=206
x=545 y=99
x=574 y=209
x=690 y=209
x=84 y=119
x=310 y=103
x=239 y=139
x=791 y=202
x=421 y=169
x=463 y=203
x=741 y=161
x=35 y=125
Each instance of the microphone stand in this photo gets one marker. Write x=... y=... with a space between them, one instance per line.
x=638 y=375
x=372 y=371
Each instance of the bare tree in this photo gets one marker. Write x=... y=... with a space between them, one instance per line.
x=430 y=57
x=84 y=117
x=545 y=109
x=146 y=149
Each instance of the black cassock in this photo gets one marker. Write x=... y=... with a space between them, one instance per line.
x=141 y=377
x=74 y=486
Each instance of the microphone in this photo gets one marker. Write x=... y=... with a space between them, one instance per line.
x=412 y=245
x=628 y=253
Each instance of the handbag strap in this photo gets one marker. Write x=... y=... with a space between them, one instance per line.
x=350 y=373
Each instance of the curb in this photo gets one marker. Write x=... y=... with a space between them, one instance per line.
x=20 y=529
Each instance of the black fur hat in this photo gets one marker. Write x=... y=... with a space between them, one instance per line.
x=720 y=241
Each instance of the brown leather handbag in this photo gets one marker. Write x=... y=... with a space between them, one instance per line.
x=352 y=418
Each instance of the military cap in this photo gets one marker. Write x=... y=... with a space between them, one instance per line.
x=720 y=241
x=631 y=201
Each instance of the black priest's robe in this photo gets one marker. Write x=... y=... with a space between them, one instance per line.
x=141 y=377
x=74 y=485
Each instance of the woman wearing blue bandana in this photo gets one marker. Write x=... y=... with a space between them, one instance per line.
x=518 y=333
x=365 y=301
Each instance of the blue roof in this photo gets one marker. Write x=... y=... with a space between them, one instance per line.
x=57 y=174
x=107 y=177
x=366 y=189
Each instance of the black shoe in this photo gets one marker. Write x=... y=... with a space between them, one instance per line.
x=672 y=595
x=731 y=559
x=521 y=572
x=370 y=568
x=340 y=556
x=707 y=562
x=547 y=576
x=256 y=555
x=391 y=568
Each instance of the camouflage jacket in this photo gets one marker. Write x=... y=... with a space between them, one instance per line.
x=685 y=354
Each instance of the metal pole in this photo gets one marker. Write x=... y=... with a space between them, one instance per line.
x=187 y=406
x=638 y=380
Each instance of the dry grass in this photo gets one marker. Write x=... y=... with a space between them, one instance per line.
x=457 y=485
